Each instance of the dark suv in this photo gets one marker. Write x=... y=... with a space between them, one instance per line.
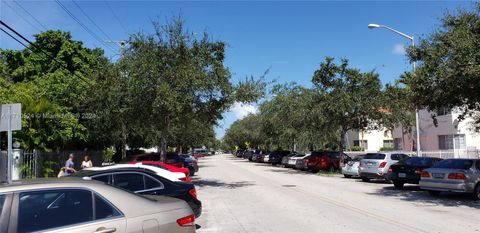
x=276 y=156
x=326 y=160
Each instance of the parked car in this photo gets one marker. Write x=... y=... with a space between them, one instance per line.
x=189 y=162
x=302 y=162
x=326 y=160
x=200 y=153
x=257 y=156
x=171 y=158
x=292 y=160
x=266 y=158
x=376 y=165
x=167 y=167
x=146 y=182
x=409 y=170
x=77 y=206
x=248 y=155
x=351 y=167
x=452 y=175
x=173 y=176
x=277 y=156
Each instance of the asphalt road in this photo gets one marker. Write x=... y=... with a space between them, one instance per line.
x=240 y=196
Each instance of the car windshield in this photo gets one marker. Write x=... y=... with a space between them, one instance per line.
x=374 y=156
x=455 y=164
x=418 y=161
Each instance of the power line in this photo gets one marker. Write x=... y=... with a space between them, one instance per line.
x=95 y=36
x=38 y=48
x=36 y=20
x=115 y=16
x=14 y=38
x=90 y=19
x=14 y=11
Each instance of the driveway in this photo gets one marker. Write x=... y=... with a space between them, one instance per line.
x=241 y=196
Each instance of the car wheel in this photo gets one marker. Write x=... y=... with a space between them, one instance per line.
x=191 y=171
x=347 y=176
x=365 y=179
x=476 y=192
x=433 y=193
x=398 y=185
x=249 y=159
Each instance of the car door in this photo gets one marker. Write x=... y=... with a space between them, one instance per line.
x=152 y=186
x=65 y=210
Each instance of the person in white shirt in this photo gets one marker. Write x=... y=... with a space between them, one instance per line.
x=86 y=163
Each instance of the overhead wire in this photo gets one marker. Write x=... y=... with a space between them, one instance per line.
x=91 y=20
x=95 y=36
x=24 y=19
x=34 y=18
x=36 y=47
x=115 y=16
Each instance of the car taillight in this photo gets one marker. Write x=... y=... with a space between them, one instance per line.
x=424 y=174
x=382 y=164
x=457 y=176
x=188 y=221
x=418 y=170
x=193 y=193
x=305 y=161
x=183 y=179
x=390 y=170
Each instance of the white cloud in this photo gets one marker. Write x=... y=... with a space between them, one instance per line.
x=399 y=49
x=242 y=110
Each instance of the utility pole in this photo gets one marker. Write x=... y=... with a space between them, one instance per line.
x=122 y=45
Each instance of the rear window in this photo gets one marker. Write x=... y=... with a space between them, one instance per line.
x=2 y=201
x=419 y=161
x=374 y=156
x=454 y=164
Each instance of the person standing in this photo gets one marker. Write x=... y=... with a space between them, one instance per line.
x=69 y=165
x=86 y=163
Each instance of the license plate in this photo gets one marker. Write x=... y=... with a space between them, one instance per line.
x=291 y=162
x=438 y=175
x=402 y=175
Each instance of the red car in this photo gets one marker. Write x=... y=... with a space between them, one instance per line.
x=167 y=167
x=200 y=153
x=326 y=160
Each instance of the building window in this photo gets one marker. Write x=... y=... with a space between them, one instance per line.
x=362 y=143
x=444 y=111
x=388 y=143
x=397 y=144
x=446 y=142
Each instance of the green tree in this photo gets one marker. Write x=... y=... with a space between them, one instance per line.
x=448 y=72
x=177 y=75
x=245 y=131
x=349 y=98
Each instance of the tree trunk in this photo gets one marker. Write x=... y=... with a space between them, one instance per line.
x=123 y=145
x=340 y=146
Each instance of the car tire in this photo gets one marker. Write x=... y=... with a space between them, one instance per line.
x=434 y=193
x=191 y=171
x=365 y=179
x=347 y=176
x=476 y=192
x=398 y=185
x=249 y=159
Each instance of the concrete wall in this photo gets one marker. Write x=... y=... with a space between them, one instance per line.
x=374 y=138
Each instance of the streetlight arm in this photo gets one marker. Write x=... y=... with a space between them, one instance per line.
x=398 y=32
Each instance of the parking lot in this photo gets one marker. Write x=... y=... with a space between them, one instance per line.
x=241 y=196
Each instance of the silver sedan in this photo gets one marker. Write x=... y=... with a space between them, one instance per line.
x=351 y=168
x=452 y=175
x=74 y=205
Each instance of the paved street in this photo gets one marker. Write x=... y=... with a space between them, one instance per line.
x=240 y=196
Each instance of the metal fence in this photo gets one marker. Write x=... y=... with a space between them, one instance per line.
x=444 y=154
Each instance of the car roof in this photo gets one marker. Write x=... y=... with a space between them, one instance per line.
x=135 y=206
x=173 y=176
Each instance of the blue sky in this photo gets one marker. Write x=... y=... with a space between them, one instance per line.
x=290 y=38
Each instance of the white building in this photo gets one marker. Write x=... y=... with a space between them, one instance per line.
x=371 y=140
x=449 y=134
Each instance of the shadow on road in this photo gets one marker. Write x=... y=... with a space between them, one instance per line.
x=421 y=197
x=220 y=184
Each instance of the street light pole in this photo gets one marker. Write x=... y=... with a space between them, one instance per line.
x=412 y=41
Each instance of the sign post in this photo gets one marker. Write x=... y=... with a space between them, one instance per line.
x=10 y=119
